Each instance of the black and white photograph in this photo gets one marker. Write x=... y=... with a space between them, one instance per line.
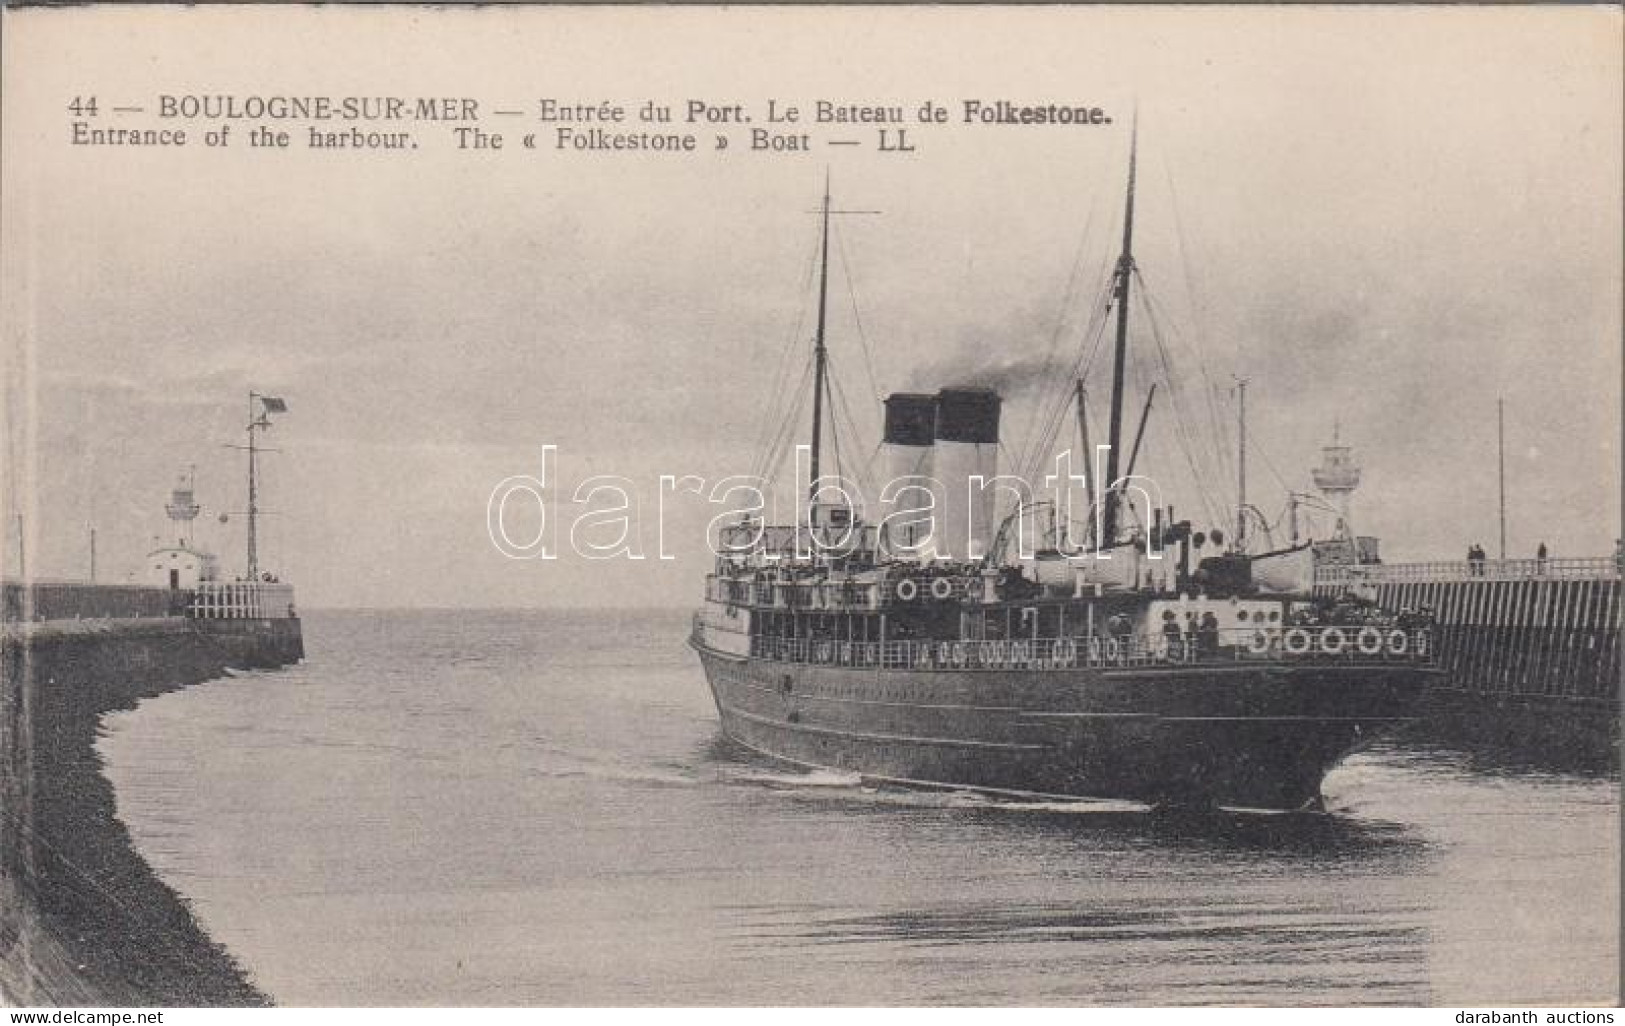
x=792 y=506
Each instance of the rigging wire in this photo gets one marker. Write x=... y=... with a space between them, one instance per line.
x=857 y=318
x=1269 y=464
x=767 y=468
x=1218 y=421
x=1221 y=454
x=834 y=418
x=1055 y=408
x=862 y=471
x=1188 y=446
x=1068 y=297
x=1184 y=260
x=1050 y=406
x=765 y=429
x=1095 y=330
x=1182 y=433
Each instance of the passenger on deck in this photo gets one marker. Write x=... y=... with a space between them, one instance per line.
x=1172 y=637
x=1209 y=633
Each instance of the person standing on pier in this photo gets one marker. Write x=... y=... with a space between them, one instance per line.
x=1540 y=558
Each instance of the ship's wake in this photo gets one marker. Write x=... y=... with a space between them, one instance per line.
x=1338 y=833
x=791 y=780
x=847 y=786
x=563 y=763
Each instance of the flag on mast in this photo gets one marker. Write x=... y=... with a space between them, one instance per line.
x=273 y=404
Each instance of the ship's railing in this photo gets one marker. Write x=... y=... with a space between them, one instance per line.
x=1469 y=570
x=1353 y=643
x=241 y=600
x=843 y=594
x=797 y=594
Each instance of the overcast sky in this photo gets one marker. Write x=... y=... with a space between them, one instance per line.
x=1385 y=219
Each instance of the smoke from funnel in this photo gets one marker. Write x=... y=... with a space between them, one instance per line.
x=1008 y=376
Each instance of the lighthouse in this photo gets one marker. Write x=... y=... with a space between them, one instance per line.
x=183 y=565
x=1337 y=477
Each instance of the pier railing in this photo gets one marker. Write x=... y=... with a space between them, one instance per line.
x=1600 y=568
x=1323 y=644
x=241 y=600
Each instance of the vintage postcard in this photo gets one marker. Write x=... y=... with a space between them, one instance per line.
x=811 y=506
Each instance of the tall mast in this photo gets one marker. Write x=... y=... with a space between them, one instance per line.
x=1241 y=462
x=820 y=355
x=1501 y=460
x=253 y=493
x=1123 y=275
x=1139 y=432
x=260 y=408
x=1088 y=452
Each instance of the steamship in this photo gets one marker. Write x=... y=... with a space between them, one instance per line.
x=1129 y=667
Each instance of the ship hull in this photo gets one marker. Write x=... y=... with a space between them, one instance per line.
x=1259 y=737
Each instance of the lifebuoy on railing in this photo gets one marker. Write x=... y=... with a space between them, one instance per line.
x=988 y=652
x=1398 y=642
x=942 y=588
x=1296 y=641
x=1259 y=643
x=1333 y=640
x=907 y=590
x=1112 y=650
x=960 y=657
x=1369 y=641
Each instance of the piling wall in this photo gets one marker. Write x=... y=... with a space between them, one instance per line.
x=83 y=919
x=1530 y=648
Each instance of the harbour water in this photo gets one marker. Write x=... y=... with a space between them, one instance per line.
x=536 y=808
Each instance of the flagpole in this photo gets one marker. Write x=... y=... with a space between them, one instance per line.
x=253 y=495
x=260 y=408
x=1501 y=453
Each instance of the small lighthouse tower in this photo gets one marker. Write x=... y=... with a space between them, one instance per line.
x=181 y=566
x=1337 y=477
x=182 y=507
